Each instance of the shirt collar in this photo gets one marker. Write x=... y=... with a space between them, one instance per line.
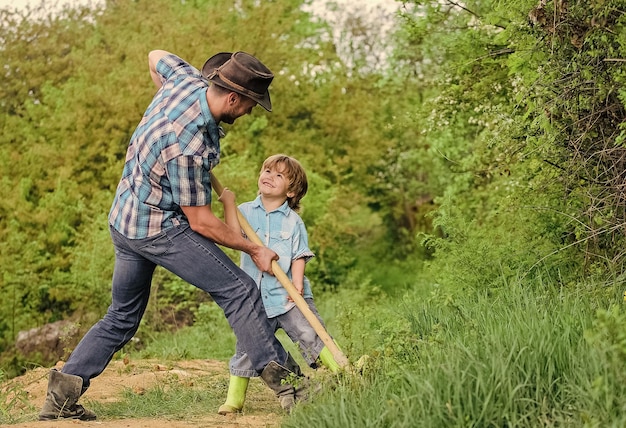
x=215 y=132
x=284 y=208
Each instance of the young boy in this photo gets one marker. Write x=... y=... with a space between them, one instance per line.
x=273 y=215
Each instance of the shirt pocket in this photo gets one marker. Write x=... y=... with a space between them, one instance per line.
x=280 y=242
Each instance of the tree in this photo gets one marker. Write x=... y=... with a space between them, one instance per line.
x=521 y=114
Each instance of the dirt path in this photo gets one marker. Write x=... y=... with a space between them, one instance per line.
x=261 y=409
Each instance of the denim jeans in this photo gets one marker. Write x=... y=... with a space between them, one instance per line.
x=297 y=327
x=195 y=259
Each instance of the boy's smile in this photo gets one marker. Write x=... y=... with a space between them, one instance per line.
x=274 y=184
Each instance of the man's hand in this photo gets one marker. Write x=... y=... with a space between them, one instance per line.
x=263 y=257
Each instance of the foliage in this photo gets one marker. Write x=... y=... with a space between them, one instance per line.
x=488 y=156
x=586 y=118
x=76 y=85
x=523 y=116
x=608 y=337
x=524 y=355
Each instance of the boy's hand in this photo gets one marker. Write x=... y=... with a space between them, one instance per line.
x=300 y=288
x=227 y=197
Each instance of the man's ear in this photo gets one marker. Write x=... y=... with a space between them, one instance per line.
x=232 y=98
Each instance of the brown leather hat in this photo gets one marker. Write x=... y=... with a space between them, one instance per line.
x=241 y=73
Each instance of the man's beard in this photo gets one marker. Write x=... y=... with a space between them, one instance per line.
x=229 y=117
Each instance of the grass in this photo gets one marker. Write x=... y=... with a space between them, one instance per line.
x=178 y=391
x=171 y=400
x=179 y=399
x=528 y=355
x=210 y=337
x=520 y=357
x=14 y=403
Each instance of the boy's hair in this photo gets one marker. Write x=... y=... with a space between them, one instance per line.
x=294 y=171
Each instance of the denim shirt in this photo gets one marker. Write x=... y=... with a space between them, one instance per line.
x=283 y=231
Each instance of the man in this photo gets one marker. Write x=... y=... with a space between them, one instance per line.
x=161 y=215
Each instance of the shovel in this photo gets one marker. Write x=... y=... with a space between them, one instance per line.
x=339 y=357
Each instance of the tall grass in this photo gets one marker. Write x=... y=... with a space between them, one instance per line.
x=524 y=355
x=516 y=357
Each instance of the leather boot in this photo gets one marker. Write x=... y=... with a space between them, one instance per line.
x=64 y=390
x=236 y=396
x=287 y=382
x=302 y=384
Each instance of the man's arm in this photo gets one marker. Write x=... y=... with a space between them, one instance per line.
x=153 y=60
x=202 y=220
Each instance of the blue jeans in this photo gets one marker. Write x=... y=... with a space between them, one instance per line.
x=299 y=331
x=195 y=259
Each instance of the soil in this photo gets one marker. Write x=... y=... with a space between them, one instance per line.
x=261 y=408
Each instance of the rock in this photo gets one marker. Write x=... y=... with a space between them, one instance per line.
x=51 y=341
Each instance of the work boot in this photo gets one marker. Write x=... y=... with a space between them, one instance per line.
x=64 y=390
x=236 y=395
x=302 y=384
x=287 y=382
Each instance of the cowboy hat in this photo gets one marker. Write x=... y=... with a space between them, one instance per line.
x=242 y=73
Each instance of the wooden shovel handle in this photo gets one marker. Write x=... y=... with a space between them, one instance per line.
x=340 y=358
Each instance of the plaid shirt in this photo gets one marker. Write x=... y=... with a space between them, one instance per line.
x=170 y=155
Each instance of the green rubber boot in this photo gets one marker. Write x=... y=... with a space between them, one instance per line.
x=236 y=395
x=328 y=361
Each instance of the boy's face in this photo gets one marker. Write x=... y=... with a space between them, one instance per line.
x=274 y=183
